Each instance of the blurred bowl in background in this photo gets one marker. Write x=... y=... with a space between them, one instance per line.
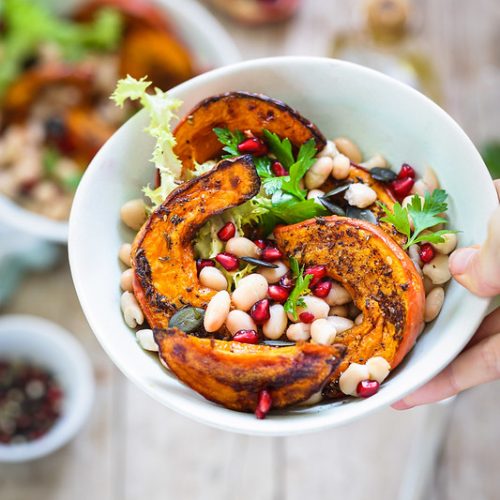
x=383 y=116
x=47 y=345
x=210 y=46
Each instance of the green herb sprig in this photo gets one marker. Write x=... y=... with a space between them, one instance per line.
x=300 y=289
x=424 y=216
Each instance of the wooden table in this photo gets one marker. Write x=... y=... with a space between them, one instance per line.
x=132 y=448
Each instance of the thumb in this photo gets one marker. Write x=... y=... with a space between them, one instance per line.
x=478 y=269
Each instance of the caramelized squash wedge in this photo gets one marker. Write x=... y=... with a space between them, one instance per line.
x=196 y=141
x=377 y=273
x=165 y=277
x=233 y=374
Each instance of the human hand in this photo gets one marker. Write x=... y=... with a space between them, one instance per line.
x=478 y=269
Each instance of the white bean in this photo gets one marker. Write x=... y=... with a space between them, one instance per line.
x=340 y=324
x=329 y=150
x=273 y=275
x=341 y=311
x=239 y=320
x=298 y=331
x=249 y=290
x=337 y=296
x=146 y=339
x=217 y=311
x=420 y=188
x=323 y=332
x=379 y=368
x=314 y=305
x=127 y=280
x=124 y=254
x=360 y=195
x=430 y=179
x=312 y=400
x=348 y=148
x=449 y=244
x=213 y=278
x=414 y=253
x=428 y=284
x=133 y=214
x=315 y=194
x=341 y=167
x=275 y=326
x=377 y=160
x=359 y=319
x=131 y=310
x=242 y=247
x=437 y=269
x=349 y=380
x=433 y=303
x=319 y=172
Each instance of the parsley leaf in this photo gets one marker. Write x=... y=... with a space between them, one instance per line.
x=424 y=216
x=301 y=288
x=263 y=166
x=230 y=140
x=305 y=159
x=282 y=149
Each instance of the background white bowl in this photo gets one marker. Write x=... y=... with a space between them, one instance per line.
x=381 y=115
x=49 y=346
x=210 y=46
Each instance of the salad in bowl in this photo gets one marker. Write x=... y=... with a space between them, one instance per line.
x=273 y=266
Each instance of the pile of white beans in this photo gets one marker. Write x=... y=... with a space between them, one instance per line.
x=333 y=314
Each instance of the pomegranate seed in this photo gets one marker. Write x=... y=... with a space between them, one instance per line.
x=402 y=187
x=246 y=336
x=227 y=231
x=322 y=289
x=286 y=281
x=271 y=254
x=427 y=252
x=262 y=243
x=264 y=404
x=260 y=311
x=201 y=263
x=278 y=169
x=228 y=261
x=406 y=171
x=317 y=272
x=278 y=293
x=367 y=388
x=253 y=146
x=306 y=317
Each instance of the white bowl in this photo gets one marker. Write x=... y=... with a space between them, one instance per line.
x=381 y=115
x=49 y=346
x=210 y=46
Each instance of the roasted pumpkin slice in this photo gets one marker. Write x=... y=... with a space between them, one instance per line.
x=377 y=273
x=233 y=374
x=165 y=277
x=196 y=141
x=157 y=54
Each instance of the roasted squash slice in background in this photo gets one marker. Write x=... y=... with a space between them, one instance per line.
x=165 y=277
x=196 y=140
x=233 y=374
x=377 y=273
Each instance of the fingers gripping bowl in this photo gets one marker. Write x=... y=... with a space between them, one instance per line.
x=335 y=97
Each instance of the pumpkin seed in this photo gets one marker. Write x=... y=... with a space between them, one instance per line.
x=188 y=319
x=278 y=343
x=258 y=262
x=365 y=214
x=334 y=209
x=337 y=190
x=383 y=174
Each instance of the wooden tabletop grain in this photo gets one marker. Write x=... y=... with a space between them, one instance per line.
x=133 y=449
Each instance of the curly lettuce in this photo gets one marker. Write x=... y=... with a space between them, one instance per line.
x=161 y=109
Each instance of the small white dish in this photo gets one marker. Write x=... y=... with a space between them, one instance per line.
x=381 y=115
x=210 y=46
x=49 y=346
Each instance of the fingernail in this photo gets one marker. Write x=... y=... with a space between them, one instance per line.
x=460 y=260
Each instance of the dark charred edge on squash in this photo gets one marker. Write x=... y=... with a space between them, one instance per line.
x=292 y=375
x=319 y=138
x=142 y=265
